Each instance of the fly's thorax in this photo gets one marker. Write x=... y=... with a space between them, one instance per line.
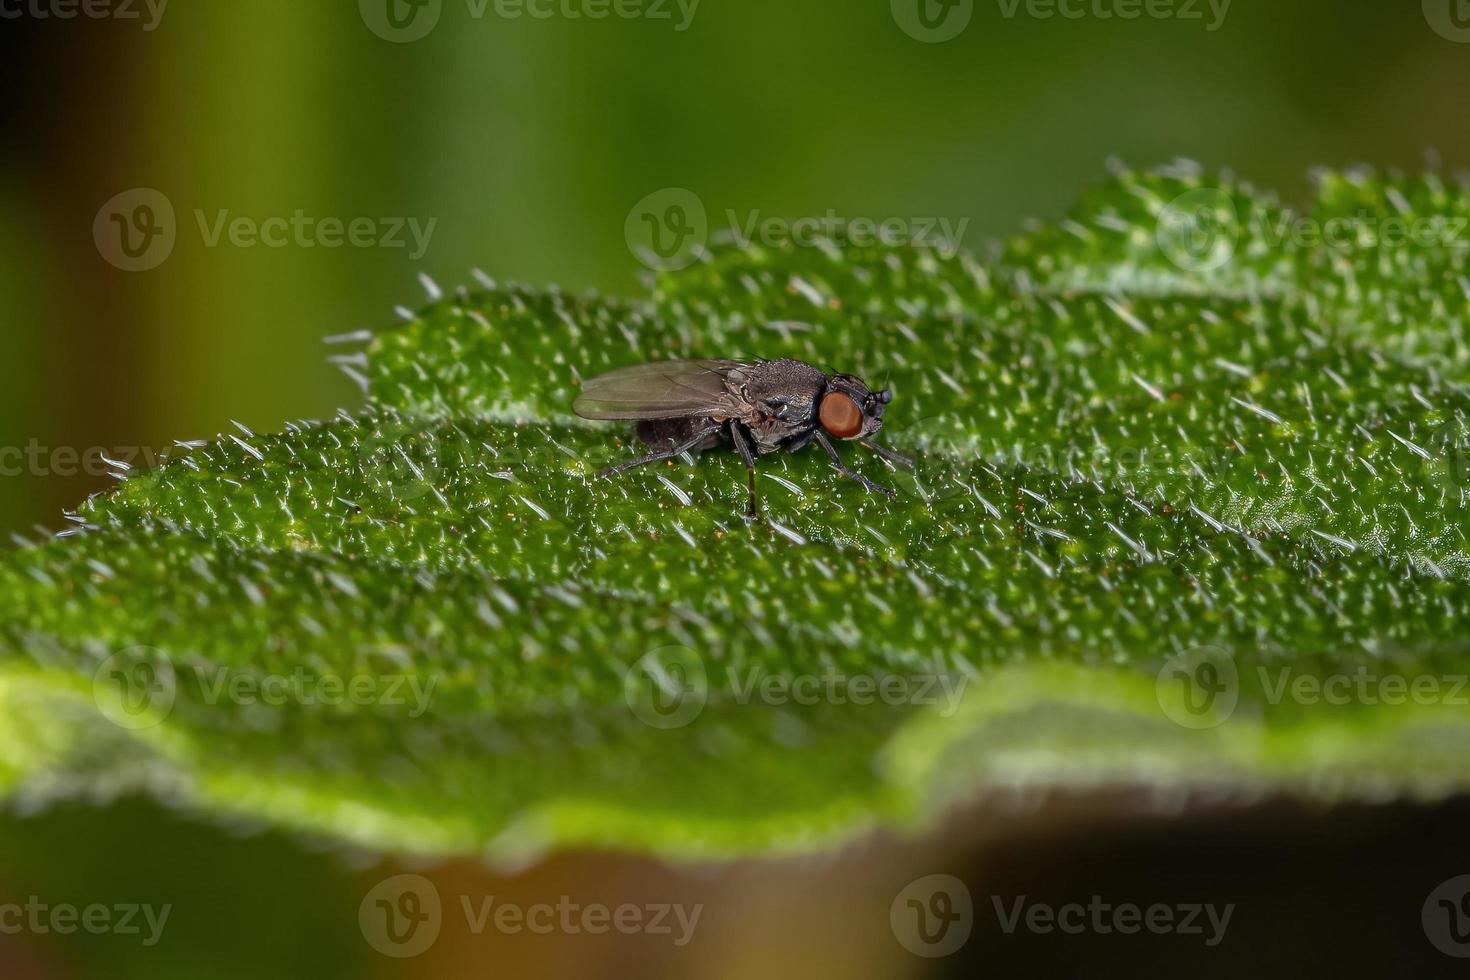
x=780 y=399
x=784 y=390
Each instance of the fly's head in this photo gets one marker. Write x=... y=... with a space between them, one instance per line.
x=850 y=410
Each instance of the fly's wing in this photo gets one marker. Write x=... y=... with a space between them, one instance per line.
x=664 y=390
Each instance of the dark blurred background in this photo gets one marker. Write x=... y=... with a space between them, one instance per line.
x=526 y=141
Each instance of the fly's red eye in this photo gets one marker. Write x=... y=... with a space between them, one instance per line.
x=841 y=416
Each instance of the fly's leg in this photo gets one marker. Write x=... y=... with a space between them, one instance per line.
x=842 y=467
x=887 y=453
x=656 y=456
x=742 y=446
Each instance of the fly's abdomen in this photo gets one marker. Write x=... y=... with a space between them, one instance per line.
x=668 y=433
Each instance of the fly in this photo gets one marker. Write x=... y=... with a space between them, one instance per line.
x=758 y=407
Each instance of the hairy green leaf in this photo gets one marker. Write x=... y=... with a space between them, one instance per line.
x=1185 y=475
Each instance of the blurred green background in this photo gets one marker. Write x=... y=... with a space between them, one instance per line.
x=530 y=139
x=527 y=141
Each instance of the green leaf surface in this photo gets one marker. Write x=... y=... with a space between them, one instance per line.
x=1167 y=508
